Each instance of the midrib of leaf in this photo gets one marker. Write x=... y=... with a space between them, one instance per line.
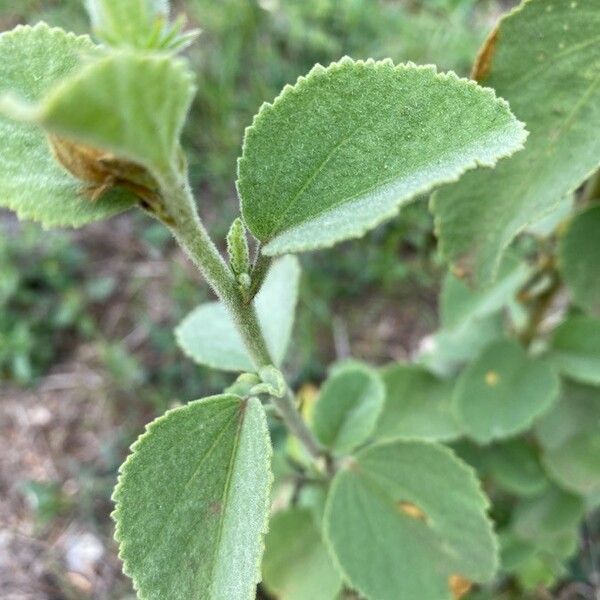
x=225 y=496
x=294 y=201
x=214 y=445
x=361 y=195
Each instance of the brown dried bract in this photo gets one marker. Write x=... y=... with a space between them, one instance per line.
x=459 y=586
x=483 y=62
x=103 y=171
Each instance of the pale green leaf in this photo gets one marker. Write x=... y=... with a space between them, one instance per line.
x=515 y=467
x=503 y=391
x=133 y=105
x=579 y=260
x=448 y=349
x=552 y=513
x=417 y=405
x=570 y=437
x=550 y=222
x=32 y=61
x=577 y=410
x=192 y=502
x=576 y=349
x=404 y=517
x=544 y=58
x=296 y=564
x=460 y=303
x=576 y=464
x=208 y=335
x=343 y=149
x=348 y=407
x=471 y=319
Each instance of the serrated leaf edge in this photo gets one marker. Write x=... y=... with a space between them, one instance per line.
x=177 y=65
x=468 y=469
x=25 y=214
x=148 y=429
x=370 y=63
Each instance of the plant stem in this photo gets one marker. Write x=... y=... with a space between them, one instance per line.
x=192 y=236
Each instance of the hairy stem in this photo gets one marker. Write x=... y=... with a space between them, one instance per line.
x=192 y=236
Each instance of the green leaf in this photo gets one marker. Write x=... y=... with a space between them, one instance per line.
x=515 y=467
x=503 y=391
x=543 y=58
x=448 y=349
x=139 y=24
x=296 y=565
x=552 y=513
x=348 y=407
x=535 y=564
x=417 y=405
x=578 y=410
x=133 y=105
x=343 y=149
x=576 y=463
x=404 y=517
x=32 y=61
x=192 y=502
x=208 y=335
x=570 y=437
x=460 y=304
x=579 y=255
x=550 y=222
x=576 y=349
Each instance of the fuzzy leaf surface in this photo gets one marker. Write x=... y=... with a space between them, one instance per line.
x=296 y=565
x=32 y=61
x=579 y=257
x=544 y=58
x=417 y=405
x=503 y=391
x=341 y=151
x=576 y=349
x=192 y=502
x=348 y=407
x=208 y=335
x=404 y=517
x=133 y=105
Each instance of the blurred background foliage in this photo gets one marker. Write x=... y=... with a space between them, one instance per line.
x=98 y=305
